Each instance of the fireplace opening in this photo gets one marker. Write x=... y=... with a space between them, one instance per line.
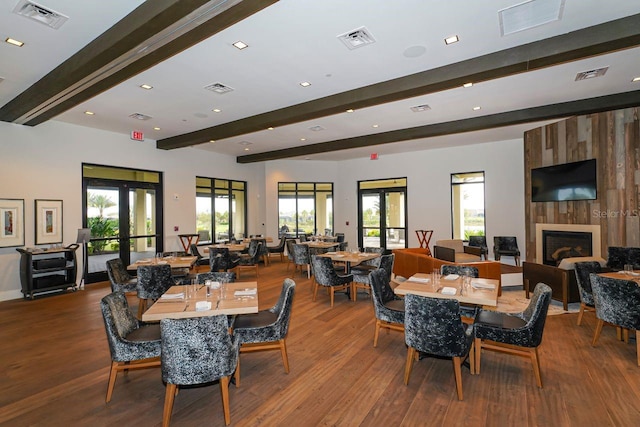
x=557 y=245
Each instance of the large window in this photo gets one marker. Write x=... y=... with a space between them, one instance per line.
x=382 y=218
x=305 y=208
x=221 y=209
x=467 y=205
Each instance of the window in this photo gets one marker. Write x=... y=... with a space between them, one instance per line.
x=221 y=209
x=382 y=215
x=467 y=205
x=305 y=208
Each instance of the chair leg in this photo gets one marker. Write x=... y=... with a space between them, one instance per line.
x=596 y=335
x=458 y=374
x=581 y=313
x=409 y=364
x=535 y=361
x=477 y=344
x=625 y=335
x=315 y=291
x=472 y=359
x=332 y=293
x=112 y=380
x=638 y=346
x=236 y=375
x=285 y=358
x=224 y=391
x=169 y=396
x=308 y=271
x=376 y=333
x=142 y=307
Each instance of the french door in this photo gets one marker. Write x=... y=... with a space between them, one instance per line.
x=382 y=215
x=125 y=219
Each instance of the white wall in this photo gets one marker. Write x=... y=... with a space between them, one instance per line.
x=44 y=162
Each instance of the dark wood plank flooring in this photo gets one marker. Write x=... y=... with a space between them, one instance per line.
x=54 y=363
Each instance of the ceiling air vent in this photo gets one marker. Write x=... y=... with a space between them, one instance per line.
x=529 y=14
x=586 y=75
x=219 y=88
x=139 y=116
x=419 y=108
x=357 y=38
x=244 y=143
x=40 y=14
x=317 y=128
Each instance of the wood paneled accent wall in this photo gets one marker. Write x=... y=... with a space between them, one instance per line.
x=613 y=138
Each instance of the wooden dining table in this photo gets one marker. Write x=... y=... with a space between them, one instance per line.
x=319 y=244
x=174 y=262
x=483 y=292
x=622 y=275
x=349 y=258
x=238 y=298
x=233 y=247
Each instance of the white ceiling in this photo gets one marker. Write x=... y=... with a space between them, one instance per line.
x=296 y=40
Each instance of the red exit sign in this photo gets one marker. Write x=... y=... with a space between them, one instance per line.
x=137 y=135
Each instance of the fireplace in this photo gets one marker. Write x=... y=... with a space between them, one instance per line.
x=572 y=232
x=557 y=245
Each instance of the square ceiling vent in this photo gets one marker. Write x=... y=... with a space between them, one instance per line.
x=139 y=116
x=39 y=13
x=529 y=14
x=219 y=88
x=591 y=74
x=357 y=38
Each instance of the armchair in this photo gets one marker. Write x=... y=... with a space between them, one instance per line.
x=506 y=245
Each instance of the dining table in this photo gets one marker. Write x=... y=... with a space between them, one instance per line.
x=481 y=291
x=319 y=244
x=179 y=303
x=174 y=262
x=623 y=275
x=233 y=247
x=349 y=258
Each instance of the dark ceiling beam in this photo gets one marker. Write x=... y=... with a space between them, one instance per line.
x=57 y=92
x=600 y=39
x=528 y=115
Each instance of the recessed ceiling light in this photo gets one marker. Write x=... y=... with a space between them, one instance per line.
x=636 y=79
x=476 y=108
x=240 y=45
x=305 y=84
x=467 y=84
x=14 y=42
x=212 y=141
x=303 y=139
x=216 y=110
x=375 y=126
x=350 y=110
x=269 y=128
x=156 y=128
x=146 y=86
x=89 y=113
x=451 y=39
x=246 y=149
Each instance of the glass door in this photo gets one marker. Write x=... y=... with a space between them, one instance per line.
x=382 y=213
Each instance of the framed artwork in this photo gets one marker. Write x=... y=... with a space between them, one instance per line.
x=11 y=222
x=48 y=221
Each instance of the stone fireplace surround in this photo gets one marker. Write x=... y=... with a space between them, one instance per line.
x=584 y=228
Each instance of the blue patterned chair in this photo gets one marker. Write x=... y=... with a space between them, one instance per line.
x=326 y=275
x=267 y=329
x=250 y=260
x=387 y=306
x=507 y=246
x=362 y=279
x=121 y=280
x=583 y=270
x=217 y=276
x=515 y=333
x=617 y=302
x=618 y=256
x=226 y=261
x=434 y=326
x=197 y=350
x=133 y=344
x=153 y=281
x=301 y=258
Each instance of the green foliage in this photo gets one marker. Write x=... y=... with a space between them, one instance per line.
x=373 y=233
x=101 y=227
x=468 y=233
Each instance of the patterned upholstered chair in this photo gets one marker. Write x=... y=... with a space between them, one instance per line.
x=387 y=306
x=618 y=256
x=480 y=242
x=515 y=333
x=250 y=260
x=197 y=351
x=301 y=258
x=226 y=260
x=467 y=311
x=153 y=281
x=133 y=344
x=278 y=249
x=196 y=253
x=506 y=245
x=267 y=329
x=362 y=278
x=327 y=276
x=121 y=280
x=583 y=270
x=434 y=326
x=217 y=276
x=617 y=302
x=289 y=244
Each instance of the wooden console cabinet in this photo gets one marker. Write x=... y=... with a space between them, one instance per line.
x=47 y=270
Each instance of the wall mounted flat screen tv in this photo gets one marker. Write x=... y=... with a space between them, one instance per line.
x=568 y=181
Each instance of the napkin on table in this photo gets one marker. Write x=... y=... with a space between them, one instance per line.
x=448 y=291
x=451 y=277
x=244 y=292
x=179 y=295
x=418 y=279
x=480 y=285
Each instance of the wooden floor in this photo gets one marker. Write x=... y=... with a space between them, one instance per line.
x=54 y=362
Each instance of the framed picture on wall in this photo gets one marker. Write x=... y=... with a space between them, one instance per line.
x=11 y=222
x=48 y=221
